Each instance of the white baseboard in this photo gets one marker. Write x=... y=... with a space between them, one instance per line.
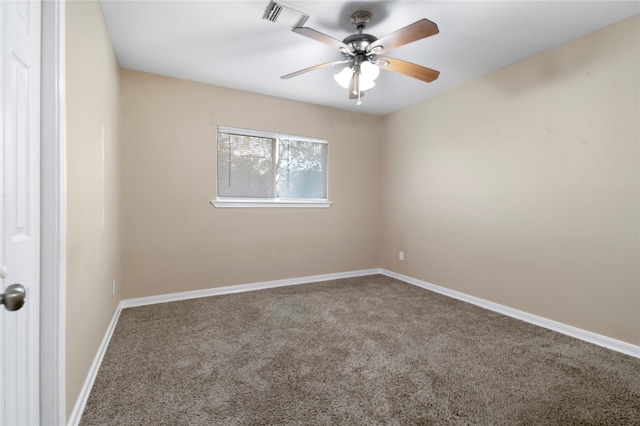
x=578 y=333
x=587 y=336
x=74 y=419
x=242 y=288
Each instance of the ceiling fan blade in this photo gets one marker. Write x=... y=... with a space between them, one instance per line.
x=353 y=95
x=409 y=69
x=322 y=38
x=313 y=68
x=416 y=31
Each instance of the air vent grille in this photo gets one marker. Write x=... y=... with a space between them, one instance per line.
x=281 y=12
x=272 y=12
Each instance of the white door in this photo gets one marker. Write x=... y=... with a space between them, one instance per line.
x=20 y=208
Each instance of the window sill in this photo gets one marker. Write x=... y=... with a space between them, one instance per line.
x=271 y=203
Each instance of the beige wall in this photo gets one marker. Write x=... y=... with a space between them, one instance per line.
x=93 y=201
x=522 y=187
x=174 y=240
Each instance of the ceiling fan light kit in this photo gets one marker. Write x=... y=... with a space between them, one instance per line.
x=367 y=71
x=360 y=52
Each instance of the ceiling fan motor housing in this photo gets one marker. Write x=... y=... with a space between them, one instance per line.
x=359 y=42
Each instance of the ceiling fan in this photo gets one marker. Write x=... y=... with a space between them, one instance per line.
x=360 y=52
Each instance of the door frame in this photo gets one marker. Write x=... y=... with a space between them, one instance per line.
x=53 y=215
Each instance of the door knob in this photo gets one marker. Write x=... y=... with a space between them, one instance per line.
x=13 y=297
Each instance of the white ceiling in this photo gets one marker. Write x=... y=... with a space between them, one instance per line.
x=227 y=43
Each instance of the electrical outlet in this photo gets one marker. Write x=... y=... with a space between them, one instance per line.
x=401 y=255
x=113 y=286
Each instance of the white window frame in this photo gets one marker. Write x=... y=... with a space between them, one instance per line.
x=228 y=202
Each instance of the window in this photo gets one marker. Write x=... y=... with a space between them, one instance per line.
x=262 y=169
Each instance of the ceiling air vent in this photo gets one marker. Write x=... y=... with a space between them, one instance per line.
x=282 y=12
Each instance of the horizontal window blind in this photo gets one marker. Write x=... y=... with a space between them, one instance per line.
x=245 y=166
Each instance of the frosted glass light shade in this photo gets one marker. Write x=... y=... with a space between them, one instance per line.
x=344 y=77
x=369 y=71
x=366 y=83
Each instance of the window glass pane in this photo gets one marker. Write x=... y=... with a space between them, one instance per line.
x=246 y=166
x=264 y=165
x=302 y=170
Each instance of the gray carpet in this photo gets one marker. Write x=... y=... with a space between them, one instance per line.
x=360 y=351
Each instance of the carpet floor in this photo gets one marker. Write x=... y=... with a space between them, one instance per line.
x=360 y=351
